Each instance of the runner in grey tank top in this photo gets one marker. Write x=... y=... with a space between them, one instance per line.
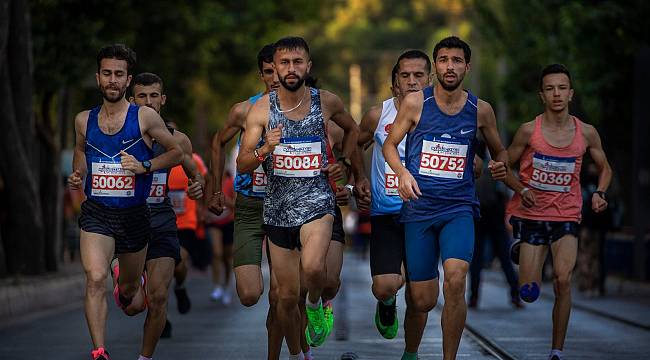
x=297 y=189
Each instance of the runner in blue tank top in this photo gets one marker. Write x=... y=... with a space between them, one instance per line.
x=113 y=151
x=299 y=203
x=437 y=183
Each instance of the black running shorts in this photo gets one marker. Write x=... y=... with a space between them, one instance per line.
x=539 y=232
x=337 y=228
x=387 y=251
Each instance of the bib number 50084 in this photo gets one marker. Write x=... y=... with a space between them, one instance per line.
x=307 y=162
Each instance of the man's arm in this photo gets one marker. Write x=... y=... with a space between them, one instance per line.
x=79 y=168
x=516 y=148
x=257 y=120
x=234 y=124
x=367 y=129
x=598 y=202
x=487 y=123
x=336 y=111
x=407 y=117
x=196 y=181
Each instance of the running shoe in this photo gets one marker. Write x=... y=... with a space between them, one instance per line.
x=216 y=294
x=167 y=331
x=386 y=319
x=514 y=252
x=328 y=312
x=183 y=302
x=317 y=328
x=226 y=298
x=100 y=354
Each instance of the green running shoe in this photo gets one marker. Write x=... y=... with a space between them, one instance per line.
x=386 y=319
x=316 y=331
x=328 y=312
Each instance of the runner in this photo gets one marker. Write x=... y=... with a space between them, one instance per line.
x=113 y=144
x=249 y=235
x=163 y=253
x=299 y=203
x=410 y=74
x=437 y=186
x=546 y=208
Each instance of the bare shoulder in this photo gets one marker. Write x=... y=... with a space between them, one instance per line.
x=374 y=113
x=330 y=100
x=148 y=116
x=184 y=141
x=525 y=130
x=81 y=121
x=238 y=112
x=484 y=108
x=590 y=133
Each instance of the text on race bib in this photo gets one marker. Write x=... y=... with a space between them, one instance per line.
x=110 y=179
x=158 y=188
x=297 y=157
x=551 y=173
x=391 y=181
x=178 y=199
x=443 y=159
x=259 y=180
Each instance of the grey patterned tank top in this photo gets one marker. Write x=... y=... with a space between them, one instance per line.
x=297 y=189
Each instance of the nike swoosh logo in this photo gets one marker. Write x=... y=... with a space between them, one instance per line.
x=128 y=141
x=463 y=132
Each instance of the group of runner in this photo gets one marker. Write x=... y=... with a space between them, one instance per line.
x=299 y=159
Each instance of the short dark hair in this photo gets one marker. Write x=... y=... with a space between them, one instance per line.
x=414 y=54
x=291 y=43
x=146 y=79
x=453 y=42
x=119 y=52
x=554 y=69
x=393 y=75
x=265 y=56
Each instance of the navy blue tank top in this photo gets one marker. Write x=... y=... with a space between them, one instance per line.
x=163 y=217
x=439 y=155
x=245 y=183
x=107 y=182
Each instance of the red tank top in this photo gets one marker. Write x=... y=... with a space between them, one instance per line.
x=553 y=175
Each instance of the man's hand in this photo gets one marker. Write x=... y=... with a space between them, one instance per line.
x=342 y=196
x=598 y=204
x=527 y=198
x=363 y=194
x=334 y=171
x=216 y=203
x=194 y=189
x=498 y=170
x=272 y=139
x=408 y=188
x=129 y=162
x=75 y=180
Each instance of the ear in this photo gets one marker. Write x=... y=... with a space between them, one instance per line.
x=468 y=67
x=541 y=97
x=163 y=99
x=308 y=66
x=97 y=78
x=131 y=99
x=128 y=80
x=570 y=95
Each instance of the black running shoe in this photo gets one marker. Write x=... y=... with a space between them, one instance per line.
x=167 y=331
x=182 y=300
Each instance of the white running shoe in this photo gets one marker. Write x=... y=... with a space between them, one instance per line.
x=226 y=298
x=217 y=293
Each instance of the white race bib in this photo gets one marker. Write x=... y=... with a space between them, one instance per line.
x=443 y=159
x=297 y=157
x=178 y=201
x=391 y=181
x=158 y=187
x=110 y=179
x=259 y=180
x=552 y=173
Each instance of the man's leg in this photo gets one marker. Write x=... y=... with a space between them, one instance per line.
x=315 y=237
x=130 y=280
x=531 y=262
x=249 y=283
x=159 y=272
x=247 y=249
x=564 y=260
x=216 y=236
x=96 y=253
x=334 y=264
x=273 y=329
x=414 y=324
x=454 y=311
x=286 y=267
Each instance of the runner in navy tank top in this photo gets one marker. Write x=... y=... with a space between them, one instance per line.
x=437 y=184
x=113 y=151
x=299 y=203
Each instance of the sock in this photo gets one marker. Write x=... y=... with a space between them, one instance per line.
x=308 y=354
x=142 y=357
x=556 y=352
x=390 y=301
x=409 y=356
x=313 y=305
x=298 y=356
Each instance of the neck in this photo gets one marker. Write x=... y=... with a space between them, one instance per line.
x=556 y=118
x=446 y=96
x=397 y=100
x=291 y=97
x=112 y=108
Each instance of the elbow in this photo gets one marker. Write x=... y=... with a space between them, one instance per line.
x=178 y=154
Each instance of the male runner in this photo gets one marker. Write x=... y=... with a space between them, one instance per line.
x=410 y=74
x=437 y=183
x=299 y=203
x=163 y=253
x=113 y=145
x=547 y=204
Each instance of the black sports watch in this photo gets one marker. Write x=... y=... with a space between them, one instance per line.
x=602 y=194
x=345 y=161
x=147 y=166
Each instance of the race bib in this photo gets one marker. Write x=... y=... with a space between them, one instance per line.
x=391 y=181
x=177 y=198
x=158 y=188
x=443 y=158
x=297 y=157
x=551 y=173
x=259 y=180
x=110 y=179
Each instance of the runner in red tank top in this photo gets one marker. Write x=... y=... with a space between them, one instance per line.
x=545 y=210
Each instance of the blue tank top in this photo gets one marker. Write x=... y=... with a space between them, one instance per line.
x=244 y=181
x=385 y=198
x=163 y=217
x=107 y=182
x=439 y=155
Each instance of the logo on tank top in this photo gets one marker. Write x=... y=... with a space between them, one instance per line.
x=388 y=127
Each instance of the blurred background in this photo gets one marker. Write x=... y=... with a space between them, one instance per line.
x=205 y=51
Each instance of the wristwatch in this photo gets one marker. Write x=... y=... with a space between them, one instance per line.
x=345 y=161
x=350 y=187
x=602 y=194
x=523 y=191
x=147 y=166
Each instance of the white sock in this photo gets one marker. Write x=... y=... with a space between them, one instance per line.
x=298 y=356
x=142 y=357
x=313 y=305
x=556 y=352
x=308 y=354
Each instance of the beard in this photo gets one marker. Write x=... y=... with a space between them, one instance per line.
x=112 y=99
x=452 y=86
x=294 y=87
